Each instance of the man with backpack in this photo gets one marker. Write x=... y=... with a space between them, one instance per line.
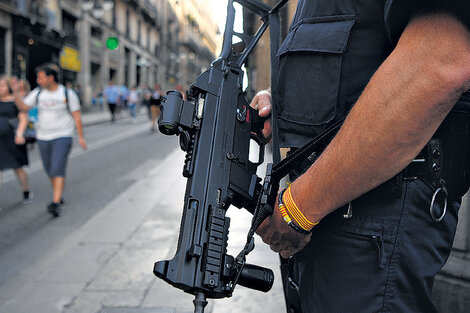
x=58 y=115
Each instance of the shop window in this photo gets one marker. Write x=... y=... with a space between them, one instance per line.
x=68 y=26
x=96 y=32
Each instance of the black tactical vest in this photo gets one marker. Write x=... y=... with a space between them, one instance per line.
x=332 y=50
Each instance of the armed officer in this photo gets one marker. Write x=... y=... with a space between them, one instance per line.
x=369 y=224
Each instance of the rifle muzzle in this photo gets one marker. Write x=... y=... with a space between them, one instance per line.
x=256 y=277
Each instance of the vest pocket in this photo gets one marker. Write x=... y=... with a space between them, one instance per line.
x=309 y=73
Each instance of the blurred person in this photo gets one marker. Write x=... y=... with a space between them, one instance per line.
x=58 y=111
x=97 y=99
x=132 y=100
x=23 y=87
x=180 y=88
x=13 y=153
x=146 y=96
x=155 y=101
x=100 y=100
x=122 y=100
x=111 y=94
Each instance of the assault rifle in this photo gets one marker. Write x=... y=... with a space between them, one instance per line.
x=215 y=126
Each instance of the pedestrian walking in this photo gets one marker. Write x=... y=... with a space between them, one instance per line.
x=146 y=96
x=155 y=102
x=111 y=94
x=23 y=87
x=58 y=116
x=132 y=100
x=13 y=152
x=367 y=225
x=122 y=100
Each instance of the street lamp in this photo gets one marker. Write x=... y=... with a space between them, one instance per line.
x=87 y=5
x=108 y=4
x=97 y=7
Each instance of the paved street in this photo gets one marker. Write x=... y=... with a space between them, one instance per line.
x=123 y=207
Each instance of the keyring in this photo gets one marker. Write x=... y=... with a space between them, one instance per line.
x=431 y=207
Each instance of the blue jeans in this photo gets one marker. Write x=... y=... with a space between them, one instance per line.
x=132 y=108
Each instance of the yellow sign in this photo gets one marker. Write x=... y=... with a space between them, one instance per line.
x=70 y=59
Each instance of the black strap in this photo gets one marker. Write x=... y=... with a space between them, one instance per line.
x=67 y=99
x=309 y=151
x=36 y=102
x=262 y=212
x=275 y=38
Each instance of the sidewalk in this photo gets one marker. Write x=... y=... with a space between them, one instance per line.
x=106 y=265
x=94 y=116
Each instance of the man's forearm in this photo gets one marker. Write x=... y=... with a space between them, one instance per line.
x=79 y=126
x=78 y=123
x=398 y=112
x=19 y=103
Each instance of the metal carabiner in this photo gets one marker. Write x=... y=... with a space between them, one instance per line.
x=431 y=207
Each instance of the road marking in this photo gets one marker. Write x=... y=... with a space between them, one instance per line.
x=77 y=151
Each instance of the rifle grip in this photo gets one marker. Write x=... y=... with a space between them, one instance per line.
x=265 y=211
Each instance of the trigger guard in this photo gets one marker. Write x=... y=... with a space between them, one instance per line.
x=258 y=137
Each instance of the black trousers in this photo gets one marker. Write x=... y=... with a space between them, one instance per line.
x=383 y=259
x=112 y=109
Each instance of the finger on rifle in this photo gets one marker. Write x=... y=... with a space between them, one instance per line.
x=276 y=247
x=261 y=100
x=288 y=252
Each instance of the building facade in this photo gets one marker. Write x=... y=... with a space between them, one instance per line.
x=29 y=36
x=198 y=41
x=149 y=32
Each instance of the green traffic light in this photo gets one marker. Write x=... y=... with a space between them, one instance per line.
x=112 y=43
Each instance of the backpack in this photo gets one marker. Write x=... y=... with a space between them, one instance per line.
x=36 y=102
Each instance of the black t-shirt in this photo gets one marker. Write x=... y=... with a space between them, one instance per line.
x=8 y=113
x=156 y=98
x=8 y=109
x=399 y=12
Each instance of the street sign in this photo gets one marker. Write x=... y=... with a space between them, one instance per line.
x=70 y=59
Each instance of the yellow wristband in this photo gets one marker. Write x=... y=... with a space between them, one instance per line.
x=295 y=213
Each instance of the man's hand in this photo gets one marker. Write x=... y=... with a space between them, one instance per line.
x=280 y=236
x=262 y=102
x=82 y=143
x=20 y=140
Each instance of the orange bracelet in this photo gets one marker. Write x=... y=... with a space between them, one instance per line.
x=294 y=212
x=286 y=217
